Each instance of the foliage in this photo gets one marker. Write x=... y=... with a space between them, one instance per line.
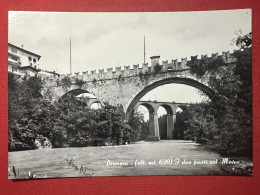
x=144 y=76
x=79 y=82
x=66 y=123
x=199 y=67
x=144 y=130
x=15 y=174
x=226 y=121
x=243 y=41
x=136 y=121
x=179 y=126
x=66 y=82
x=157 y=68
x=23 y=94
x=162 y=121
x=79 y=126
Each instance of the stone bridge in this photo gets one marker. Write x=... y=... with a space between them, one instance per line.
x=152 y=108
x=127 y=86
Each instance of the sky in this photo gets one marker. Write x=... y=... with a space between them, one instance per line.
x=104 y=40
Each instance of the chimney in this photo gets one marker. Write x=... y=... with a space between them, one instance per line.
x=154 y=60
x=22 y=46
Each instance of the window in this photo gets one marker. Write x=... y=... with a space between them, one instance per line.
x=14 y=50
x=34 y=60
x=29 y=58
x=14 y=58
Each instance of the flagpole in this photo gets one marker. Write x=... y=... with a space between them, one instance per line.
x=70 y=57
x=144 y=49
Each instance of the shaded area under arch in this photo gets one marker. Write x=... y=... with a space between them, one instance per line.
x=75 y=92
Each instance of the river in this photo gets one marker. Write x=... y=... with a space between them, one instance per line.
x=165 y=157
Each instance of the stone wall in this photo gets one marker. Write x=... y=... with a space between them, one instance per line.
x=126 y=71
x=127 y=86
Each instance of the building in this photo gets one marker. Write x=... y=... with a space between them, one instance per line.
x=22 y=62
x=46 y=73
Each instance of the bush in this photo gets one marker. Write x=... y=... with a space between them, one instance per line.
x=157 y=69
x=66 y=123
x=79 y=82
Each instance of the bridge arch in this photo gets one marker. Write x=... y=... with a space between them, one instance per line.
x=75 y=92
x=93 y=101
x=177 y=80
x=168 y=109
x=151 y=109
x=153 y=120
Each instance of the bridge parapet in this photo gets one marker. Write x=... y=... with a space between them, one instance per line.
x=126 y=71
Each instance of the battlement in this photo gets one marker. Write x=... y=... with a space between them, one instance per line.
x=126 y=71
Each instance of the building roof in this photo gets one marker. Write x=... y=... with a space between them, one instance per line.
x=29 y=67
x=22 y=49
x=50 y=72
x=15 y=73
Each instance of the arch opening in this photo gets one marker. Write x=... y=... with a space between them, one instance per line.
x=149 y=107
x=179 y=125
x=95 y=105
x=153 y=128
x=168 y=110
x=186 y=81
x=162 y=113
x=75 y=92
x=143 y=111
x=84 y=95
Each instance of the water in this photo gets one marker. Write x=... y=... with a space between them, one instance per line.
x=135 y=158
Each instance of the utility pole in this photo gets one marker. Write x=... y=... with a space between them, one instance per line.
x=144 y=49
x=70 y=57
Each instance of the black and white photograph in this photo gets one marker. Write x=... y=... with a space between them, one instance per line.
x=129 y=93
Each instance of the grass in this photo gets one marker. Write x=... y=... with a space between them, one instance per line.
x=15 y=174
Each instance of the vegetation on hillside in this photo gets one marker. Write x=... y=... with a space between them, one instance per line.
x=225 y=123
x=66 y=123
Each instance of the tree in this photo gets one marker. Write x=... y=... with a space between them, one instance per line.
x=24 y=95
x=66 y=83
x=79 y=82
x=136 y=122
x=162 y=120
x=226 y=121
